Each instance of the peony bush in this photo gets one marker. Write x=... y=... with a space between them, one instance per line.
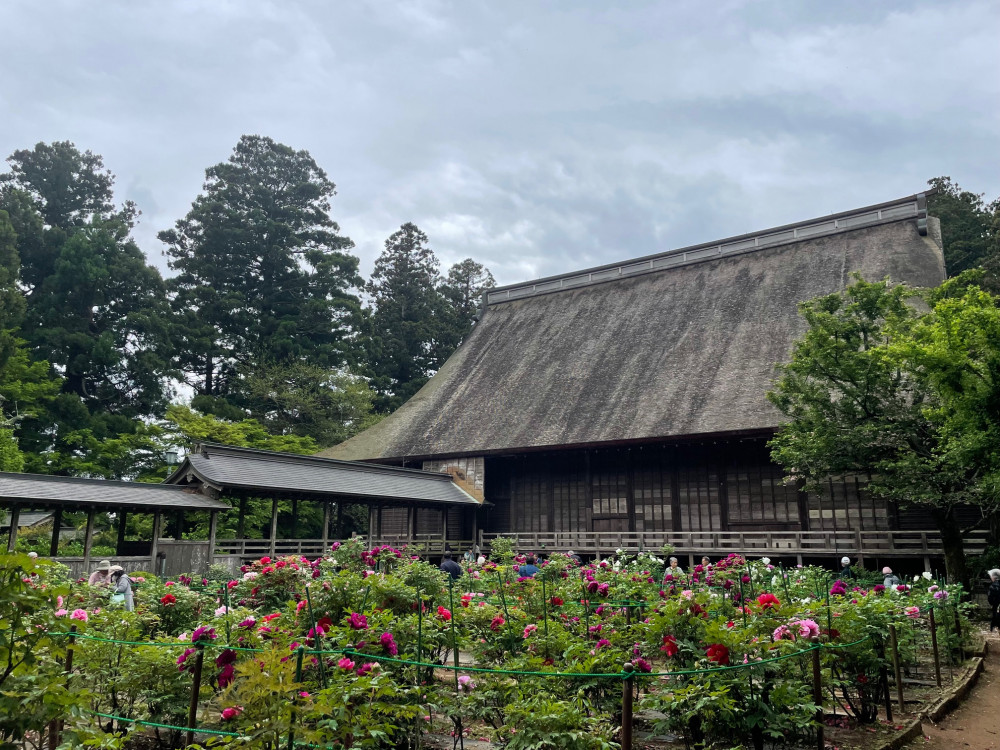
x=354 y=649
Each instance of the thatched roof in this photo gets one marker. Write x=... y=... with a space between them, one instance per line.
x=678 y=344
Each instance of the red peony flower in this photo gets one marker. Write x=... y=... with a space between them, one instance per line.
x=168 y=600
x=718 y=654
x=444 y=614
x=768 y=601
x=669 y=646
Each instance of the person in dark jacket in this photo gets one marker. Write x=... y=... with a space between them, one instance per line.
x=451 y=567
x=845 y=570
x=993 y=597
x=529 y=569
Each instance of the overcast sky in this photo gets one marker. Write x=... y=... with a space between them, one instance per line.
x=536 y=137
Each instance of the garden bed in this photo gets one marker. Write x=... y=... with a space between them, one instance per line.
x=363 y=641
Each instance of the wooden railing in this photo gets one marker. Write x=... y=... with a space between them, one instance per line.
x=130 y=564
x=255 y=548
x=798 y=543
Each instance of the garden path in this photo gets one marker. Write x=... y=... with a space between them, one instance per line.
x=976 y=723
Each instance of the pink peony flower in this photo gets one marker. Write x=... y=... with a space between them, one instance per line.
x=346 y=664
x=358 y=621
x=466 y=683
x=228 y=714
x=79 y=614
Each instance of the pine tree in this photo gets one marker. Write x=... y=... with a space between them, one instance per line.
x=463 y=289
x=406 y=323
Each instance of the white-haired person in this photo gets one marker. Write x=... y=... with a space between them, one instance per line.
x=993 y=597
x=845 y=568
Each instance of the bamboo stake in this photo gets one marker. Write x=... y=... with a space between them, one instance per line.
x=934 y=648
x=897 y=672
x=199 y=660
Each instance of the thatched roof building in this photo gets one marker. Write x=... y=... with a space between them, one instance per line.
x=681 y=343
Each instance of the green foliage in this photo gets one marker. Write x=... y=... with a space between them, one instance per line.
x=970 y=229
x=33 y=688
x=306 y=400
x=190 y=428
x=463 y=291
x=877 y=387
x=406 y=320
x=263 y=274
x=543 y=723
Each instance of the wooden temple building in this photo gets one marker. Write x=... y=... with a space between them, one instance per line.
x=624 y=406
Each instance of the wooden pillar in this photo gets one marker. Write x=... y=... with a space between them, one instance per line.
x=295 y=518
x=340 y=520
x=411 y=519
x=179 y=525
x=372 y=520
x=56 y=526
x=213 y=528
x=120 y=544
x=274 y=525
x=154 y=547
x=241 y=523
x=15 y=517
x=444 y=528
x=88 y=541
x=325 y=536
x=379 y=520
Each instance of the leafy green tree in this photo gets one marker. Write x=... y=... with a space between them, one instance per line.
x=68 y=187
x=307 y=400
x=970 y=228
x=262 y=270
x=864 y=393
x=187 y=427
x=406 y=323
x=95 y=310
x=463 y=290
x=11 y=299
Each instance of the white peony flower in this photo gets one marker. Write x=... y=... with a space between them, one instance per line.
x=766 y=560
x=927 y=575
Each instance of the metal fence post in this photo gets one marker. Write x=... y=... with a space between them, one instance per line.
x=934 y=648
x=195 y=691
x=896 y=671
x=627 y=687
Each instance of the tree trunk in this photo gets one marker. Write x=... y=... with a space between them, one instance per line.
x=954 y=550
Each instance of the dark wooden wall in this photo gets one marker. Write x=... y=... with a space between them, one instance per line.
x=716 y=486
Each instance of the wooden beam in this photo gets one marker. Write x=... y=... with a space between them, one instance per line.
x=411 y=520
x=326 y=525
x=241 y=523
x=213 y=528
x=88 y=541
x=274 y=525
x=15 y=517
x=154 y=547
x=56 y=526
x=339 y=528
x=120 y=544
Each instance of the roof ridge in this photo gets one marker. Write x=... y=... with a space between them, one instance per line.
x=241 y=452
x=910 y=207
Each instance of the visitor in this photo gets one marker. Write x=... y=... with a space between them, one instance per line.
x=529 y=569
x=101 y=576
x=33 y=555
x=674 y=571
x=451 y=567
x=993 y=597
x=468 y=557
x=845 y=568
x=706 y=563
x=121 y=586
x=575 y=558
x=891 y=580
x=480 y=557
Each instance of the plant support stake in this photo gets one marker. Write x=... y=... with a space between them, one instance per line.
x=199 y=659
x=627 y=687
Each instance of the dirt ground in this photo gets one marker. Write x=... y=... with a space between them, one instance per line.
x=976 y=723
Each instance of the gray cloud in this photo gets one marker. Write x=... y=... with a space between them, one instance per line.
x=534 y=137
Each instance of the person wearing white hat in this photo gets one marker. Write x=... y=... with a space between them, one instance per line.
x=101 y=576
x=121 y=588
x=889 y=579
x=845 y=569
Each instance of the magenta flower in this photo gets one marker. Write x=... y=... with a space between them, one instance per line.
x=346 y=664
x=389 y=644
x=358 y=621
x=228 y=714
x=227 y=675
